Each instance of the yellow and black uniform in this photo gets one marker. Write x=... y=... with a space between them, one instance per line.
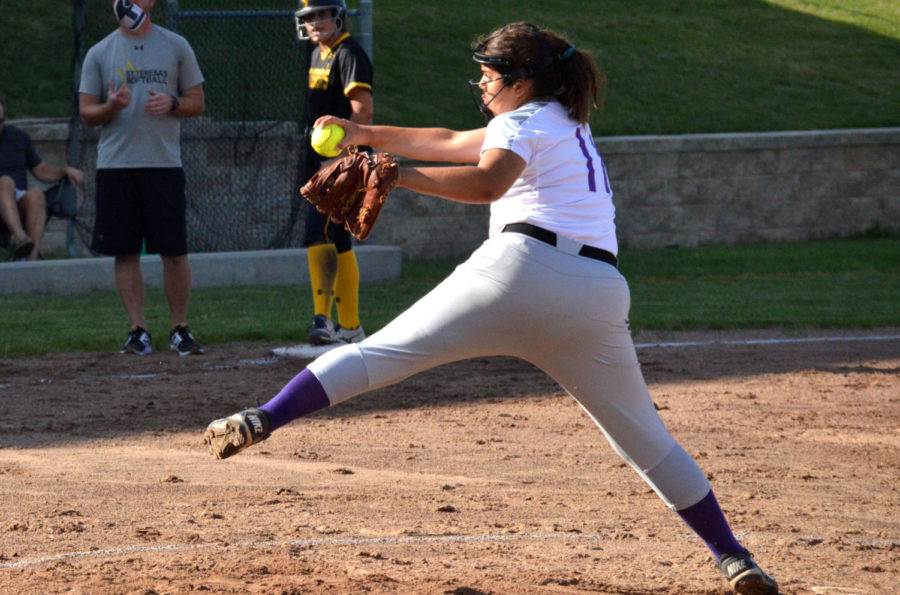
x=333 y=75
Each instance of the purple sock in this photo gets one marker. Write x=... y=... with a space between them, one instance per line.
x=706 y=519
x=301 y=396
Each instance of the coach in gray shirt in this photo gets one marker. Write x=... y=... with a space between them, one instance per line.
x=137 y=84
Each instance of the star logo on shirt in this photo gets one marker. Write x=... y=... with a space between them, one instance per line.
x=122 y=73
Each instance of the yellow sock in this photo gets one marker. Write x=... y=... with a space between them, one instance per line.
x=347 y=290
x=323 y=269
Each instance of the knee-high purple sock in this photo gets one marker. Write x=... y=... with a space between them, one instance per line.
x=301 y=396
x=708 y=522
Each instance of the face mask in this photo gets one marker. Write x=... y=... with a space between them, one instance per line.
x=129 y=14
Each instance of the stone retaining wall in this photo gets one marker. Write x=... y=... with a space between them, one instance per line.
x=684 y=190
x=744 y=188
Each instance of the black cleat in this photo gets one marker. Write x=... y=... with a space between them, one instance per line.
x=228 y=436
x=745 y=576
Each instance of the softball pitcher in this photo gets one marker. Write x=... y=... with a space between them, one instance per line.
x=543 y=287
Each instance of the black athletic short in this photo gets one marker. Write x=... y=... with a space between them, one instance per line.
x=318 y=228
x=140 y=208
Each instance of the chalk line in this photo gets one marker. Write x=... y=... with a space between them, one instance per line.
x=342 y=541
x=303 y=350
x=306 y=351
x=768 y=341
x=424 y=539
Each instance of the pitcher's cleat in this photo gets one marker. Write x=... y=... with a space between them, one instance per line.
x=745 y=576
x=228 y=436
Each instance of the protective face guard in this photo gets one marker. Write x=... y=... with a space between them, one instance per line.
x=498 y=64
x=501 y=65
x=479 y=105
x=301 y=16
x=507 y=73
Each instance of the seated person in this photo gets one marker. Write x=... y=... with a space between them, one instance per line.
x=23 y=210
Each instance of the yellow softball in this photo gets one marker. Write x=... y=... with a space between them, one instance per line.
x=325 y=139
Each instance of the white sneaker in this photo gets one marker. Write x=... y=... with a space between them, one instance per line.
x=321 y=332
x=350 y=335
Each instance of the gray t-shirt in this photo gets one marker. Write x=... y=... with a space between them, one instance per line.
x=160 y=60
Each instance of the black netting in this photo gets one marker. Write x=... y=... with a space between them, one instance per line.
x=241 y=158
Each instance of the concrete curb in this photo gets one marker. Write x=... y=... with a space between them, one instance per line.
x=218 y=269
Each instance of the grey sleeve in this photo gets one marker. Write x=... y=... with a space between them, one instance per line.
x=90 y=75
x=189 y=74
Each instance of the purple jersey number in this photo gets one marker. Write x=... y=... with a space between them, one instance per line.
x=592 y=183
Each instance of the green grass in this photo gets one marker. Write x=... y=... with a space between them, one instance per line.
x=841 y=283
x=673 y=67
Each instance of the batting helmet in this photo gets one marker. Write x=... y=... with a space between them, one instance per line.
x=310 y=7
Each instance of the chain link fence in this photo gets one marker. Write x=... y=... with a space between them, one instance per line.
x=242 y=157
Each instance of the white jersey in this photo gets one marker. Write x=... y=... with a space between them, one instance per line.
x=564 y=187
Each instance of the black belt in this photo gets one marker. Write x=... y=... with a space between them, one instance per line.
x=549 y=237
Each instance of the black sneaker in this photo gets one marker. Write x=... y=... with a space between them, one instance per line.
x=182 y=341
x=23 y=248
x=745 y=576
x=321 y=332
x=138 y=342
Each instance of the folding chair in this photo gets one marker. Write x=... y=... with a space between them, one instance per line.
x=62 y=202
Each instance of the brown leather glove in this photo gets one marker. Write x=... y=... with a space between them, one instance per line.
x=352 y=190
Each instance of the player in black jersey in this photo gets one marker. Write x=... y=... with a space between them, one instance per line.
x=340 y=84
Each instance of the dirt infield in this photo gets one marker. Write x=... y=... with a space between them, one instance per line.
x=477 y=477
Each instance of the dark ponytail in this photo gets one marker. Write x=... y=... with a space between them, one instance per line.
x=580 y=82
